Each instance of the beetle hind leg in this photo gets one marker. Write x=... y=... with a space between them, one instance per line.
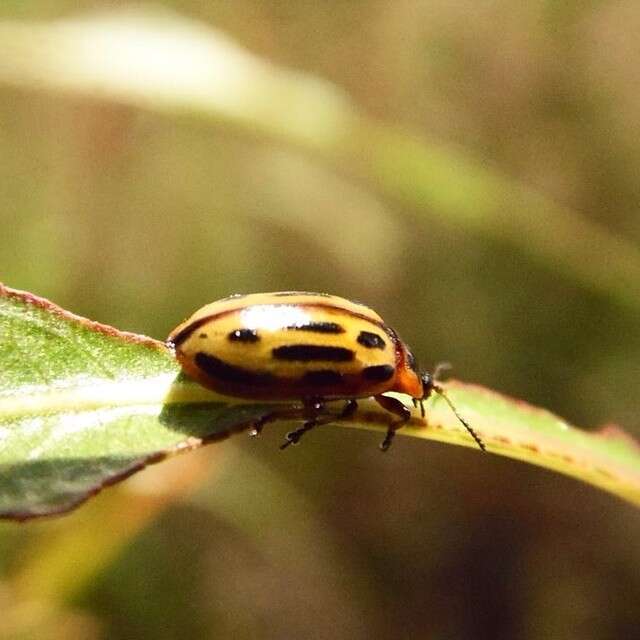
x=279 y=414
x=316 y=413
x=293 y=437
x=393 y=405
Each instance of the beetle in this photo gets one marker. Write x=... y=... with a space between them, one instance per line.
x=302 y=346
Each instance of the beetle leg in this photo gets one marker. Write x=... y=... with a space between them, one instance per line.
x=293 y=437
x=349 y=409
x=313 y=408
x=393 y=405
x=278 y=414
x=316 y=408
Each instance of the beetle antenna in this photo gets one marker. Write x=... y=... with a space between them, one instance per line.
x=441 y=392
x=440 y=367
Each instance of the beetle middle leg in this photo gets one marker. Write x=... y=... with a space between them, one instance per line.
x=393 y=405
x=316 y=415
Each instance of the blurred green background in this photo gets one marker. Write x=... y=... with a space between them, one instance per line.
x=479 y=188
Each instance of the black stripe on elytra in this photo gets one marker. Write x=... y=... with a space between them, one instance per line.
x=244 y=335
x=183 y=335
x=310 y=352
x=379 y=372
x=371 y=340
x=217 y=368
x=286 y=294
x=318 y=327
x=323 y=377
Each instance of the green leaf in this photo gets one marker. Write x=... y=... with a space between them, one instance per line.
x=83 y=405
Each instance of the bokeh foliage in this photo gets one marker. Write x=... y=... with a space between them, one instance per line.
x=135 y=218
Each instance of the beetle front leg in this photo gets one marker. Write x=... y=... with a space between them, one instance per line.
x=393 y=405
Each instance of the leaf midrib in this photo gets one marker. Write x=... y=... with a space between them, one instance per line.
x=99 y=393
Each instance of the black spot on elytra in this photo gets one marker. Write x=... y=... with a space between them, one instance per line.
x=226 y=372
x=310 y=352
x=203 y=336
x=318 y=327
x=371 y=340
x=323 y=377
x=244 y=335
x=378 y=373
